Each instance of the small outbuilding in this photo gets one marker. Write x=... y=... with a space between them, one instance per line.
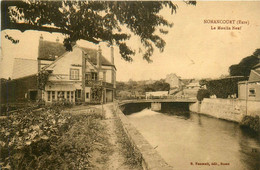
x=250 y=90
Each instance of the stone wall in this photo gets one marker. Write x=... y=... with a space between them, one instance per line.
x=228 y=109
x=150 y=157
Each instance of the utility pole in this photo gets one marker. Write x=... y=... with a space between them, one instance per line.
x=83 y=76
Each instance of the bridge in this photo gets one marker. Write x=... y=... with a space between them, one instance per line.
x=156 y=103
x=173 y=100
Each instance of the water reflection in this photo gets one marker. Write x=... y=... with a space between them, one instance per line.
x=184 y=138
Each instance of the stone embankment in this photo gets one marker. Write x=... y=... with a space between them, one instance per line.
x=228 y=109
x=150 y=157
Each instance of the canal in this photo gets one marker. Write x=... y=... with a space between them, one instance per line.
x=192 y=141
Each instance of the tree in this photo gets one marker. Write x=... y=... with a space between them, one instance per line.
x=157 y=86
x=245 y=65
x=203 y=93
x=94 y=21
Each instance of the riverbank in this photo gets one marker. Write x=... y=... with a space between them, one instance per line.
x=81 y=137
x=149 y=157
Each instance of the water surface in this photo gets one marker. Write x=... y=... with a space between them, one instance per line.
x=184 y=139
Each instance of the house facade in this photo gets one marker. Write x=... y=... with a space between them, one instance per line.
x=80 y=75
x=174 y=81
x=250 y=90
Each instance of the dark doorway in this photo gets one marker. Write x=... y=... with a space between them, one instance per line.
x=78 y=95
x=33 y=95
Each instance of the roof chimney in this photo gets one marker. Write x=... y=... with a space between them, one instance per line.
x=99 y=60
x=112 y=54
x=99 y=57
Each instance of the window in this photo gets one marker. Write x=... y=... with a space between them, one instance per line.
x=72 y=95
x=88 y=76
x=53 y=95
x=87 y=95
x=68 y=95
x=252 y=92
x=61 y=95
x=94 y=76
x=49 y=96
x=74 y=74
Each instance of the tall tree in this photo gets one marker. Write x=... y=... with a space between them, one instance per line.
x=244 y=67
x=94 y=21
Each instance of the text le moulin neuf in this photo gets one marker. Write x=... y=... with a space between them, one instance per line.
x=225 y=24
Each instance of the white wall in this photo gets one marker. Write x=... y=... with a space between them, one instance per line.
x=228 y=109
x=61 y=67
x=108 y=70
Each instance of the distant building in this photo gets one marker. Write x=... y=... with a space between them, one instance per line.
x=250 y=90
x=73 y=76
x=191 y=89
x=174 y=81
x=194 y=84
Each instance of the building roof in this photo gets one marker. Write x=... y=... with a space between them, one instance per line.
x=24 y=67
x=256 y=66
x=48 y=50
x=254 y=75
x=186 y=81
x=92 y=54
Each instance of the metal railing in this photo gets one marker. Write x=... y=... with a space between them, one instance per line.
x=90 y=83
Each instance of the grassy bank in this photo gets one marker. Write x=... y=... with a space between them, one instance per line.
x=251 y=122
x=49 y=139
x=132 y=157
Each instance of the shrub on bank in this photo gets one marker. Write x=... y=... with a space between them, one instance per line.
x=202 y=93
x=251 y=122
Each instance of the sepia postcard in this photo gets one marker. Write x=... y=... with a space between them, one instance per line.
x=130 y=85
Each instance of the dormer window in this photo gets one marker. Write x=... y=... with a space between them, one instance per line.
x=93 y=75
x=74 y=74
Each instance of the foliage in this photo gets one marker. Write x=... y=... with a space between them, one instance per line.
x=203 y=82
x=245 y=65
x=48 y=139
x=251 y=122
x=157 y=86
x=131 y=155
x=96 y=93
x=222 y=88
x=202 y=93
x=138 y=88
x=94 y=21
x=42 y=79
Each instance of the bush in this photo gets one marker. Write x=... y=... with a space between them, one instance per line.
x=251 y=122
x=202 y=93
x=48 y=139
x=222 y=88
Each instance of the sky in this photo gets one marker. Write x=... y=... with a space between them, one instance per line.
x=193 y=49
